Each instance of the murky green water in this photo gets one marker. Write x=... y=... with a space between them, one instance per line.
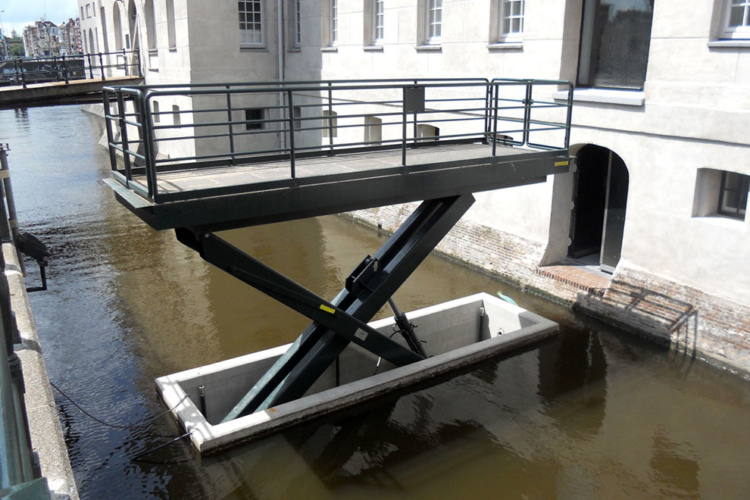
x=593 y=414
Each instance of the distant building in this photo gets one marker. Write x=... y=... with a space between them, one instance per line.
x=658 y=193
x=46 y=39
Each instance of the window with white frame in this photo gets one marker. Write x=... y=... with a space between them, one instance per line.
x=334 y=25
x=297 y=23
x=88 y=10
x=434 y=21
x=736 y=22
x=251 y=22
x=511 y=19
x=378 y=21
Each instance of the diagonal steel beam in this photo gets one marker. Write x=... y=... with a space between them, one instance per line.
x=369 y=287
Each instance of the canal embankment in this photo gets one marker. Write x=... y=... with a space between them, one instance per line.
x=46 y=434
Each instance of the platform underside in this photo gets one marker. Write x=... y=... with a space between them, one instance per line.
x=225 y=197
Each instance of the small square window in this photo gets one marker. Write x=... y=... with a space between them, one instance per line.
x=155 y=113
x=722 y=193
x=253 y=119
x=297 y=115
x=176 y=115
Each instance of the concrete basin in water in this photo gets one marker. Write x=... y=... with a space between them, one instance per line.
x=456 y=334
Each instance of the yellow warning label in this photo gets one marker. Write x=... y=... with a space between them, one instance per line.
x=562 y=163
x=329 y=310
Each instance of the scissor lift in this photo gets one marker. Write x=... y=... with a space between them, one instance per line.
x=198 y=195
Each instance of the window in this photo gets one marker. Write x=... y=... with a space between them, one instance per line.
x=150 y=24
x=297 y=24
x=614 y=43
x=330 y=123
x=176 y=115
x=170 y=25
x=378 y=22
x=88 y=10
x=718 y=192
x=511 y=19
x=155 y=111
x=253 y=119
x=733 y=194
x=373 y=131
x=297 y=115
x=82 y=12
x=434 y=22
x=736 y=21
x=427 y=133
x=127 y=41
x=334 y=34
x=251 y=22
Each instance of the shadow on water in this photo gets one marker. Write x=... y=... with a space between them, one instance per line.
x=592 y=413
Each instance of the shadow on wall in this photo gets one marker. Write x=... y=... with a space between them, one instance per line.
x=672 y=322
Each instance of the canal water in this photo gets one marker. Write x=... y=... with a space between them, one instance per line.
x=593 y=414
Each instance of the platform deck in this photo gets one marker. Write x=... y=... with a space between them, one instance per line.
x=224 y=197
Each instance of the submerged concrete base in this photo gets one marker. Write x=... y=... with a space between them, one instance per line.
x=456 y=334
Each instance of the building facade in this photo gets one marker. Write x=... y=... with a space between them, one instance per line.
x=656 y=202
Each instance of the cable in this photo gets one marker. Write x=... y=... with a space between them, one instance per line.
x=134 y=426
x=138 y=456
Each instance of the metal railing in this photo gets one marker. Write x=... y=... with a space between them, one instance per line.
x=153 y=129
x=19 y=466
x=99 y=66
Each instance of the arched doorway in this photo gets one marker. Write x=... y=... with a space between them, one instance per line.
x=600 y=195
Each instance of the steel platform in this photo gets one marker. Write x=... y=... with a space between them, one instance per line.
x=318 y=148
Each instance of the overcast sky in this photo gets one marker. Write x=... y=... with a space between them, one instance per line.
x=18 y=13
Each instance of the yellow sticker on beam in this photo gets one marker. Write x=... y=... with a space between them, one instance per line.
x=562 y=163
x=329 y=310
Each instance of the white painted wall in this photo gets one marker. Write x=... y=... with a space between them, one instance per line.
x=695 y=112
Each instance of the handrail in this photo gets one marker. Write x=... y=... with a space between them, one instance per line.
x=69 y=67
x=209 y=124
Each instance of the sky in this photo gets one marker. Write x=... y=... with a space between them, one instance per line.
x=19 y=13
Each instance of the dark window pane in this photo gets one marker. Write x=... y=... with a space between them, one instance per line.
x=733 y=181
x=615 y=43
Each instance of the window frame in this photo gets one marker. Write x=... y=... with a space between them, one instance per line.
x=504 y=12
x=333 y=23
x=244 y=33
x=378 y=40
x=742 y=192
x=737 y=32
x=429 y=37
x=297 y=24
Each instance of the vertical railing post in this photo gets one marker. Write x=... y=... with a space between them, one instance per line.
x=125 y=62
x=330 y=119
x=91 y=69
x=108 y=124
x=12 y=215
x=101 y=66
x=54 y=65
x=415 y=129
x=494 y=121
x=124 y=135
x=138 y=57
x=403 y=127
x=149 y=150
x=65 y=70
x=527 y=114
x=6 y=233
x=487 y=108
x=290 y=110
x=231 y=127
x=569 y=115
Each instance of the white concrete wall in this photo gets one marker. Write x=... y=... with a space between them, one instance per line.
x=694 y=114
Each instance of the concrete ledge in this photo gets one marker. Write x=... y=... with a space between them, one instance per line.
x=604 y=96
x=46 y=433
